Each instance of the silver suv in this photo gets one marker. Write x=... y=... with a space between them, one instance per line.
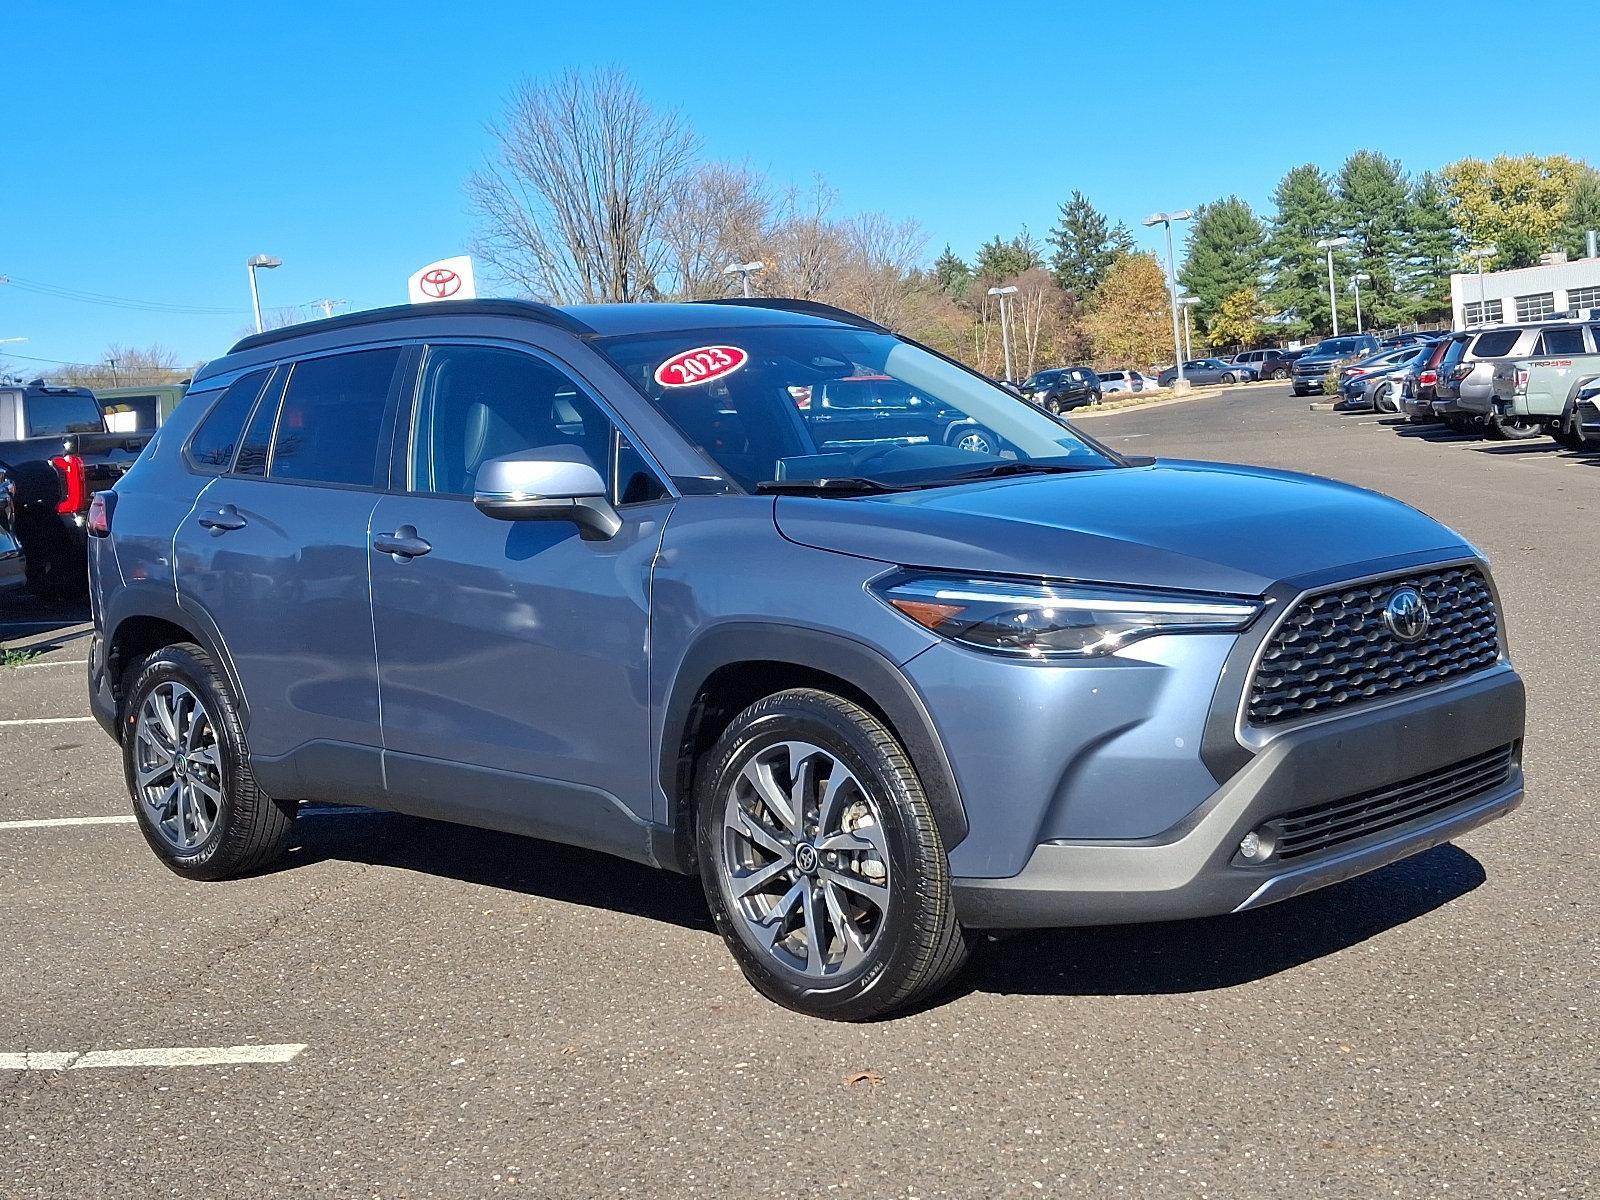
x=1466 y=389
x=614 y=576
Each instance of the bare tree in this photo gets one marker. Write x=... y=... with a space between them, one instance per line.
x=717 y=216
x=124 y=366
x=805 y=248
x=878 y=276
x=574 y=197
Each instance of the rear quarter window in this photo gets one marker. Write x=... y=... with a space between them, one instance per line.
x=213 y=444
x=1496 y=343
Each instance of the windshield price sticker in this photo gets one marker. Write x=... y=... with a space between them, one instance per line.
x=700 y=365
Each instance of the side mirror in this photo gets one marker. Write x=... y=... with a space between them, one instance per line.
x=552 y=483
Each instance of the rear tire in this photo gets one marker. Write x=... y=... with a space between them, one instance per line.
x=188 y=770
x=821 y=861
x=1503 y=430
x=1229 y=377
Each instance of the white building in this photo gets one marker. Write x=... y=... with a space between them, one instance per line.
x=1529 y=294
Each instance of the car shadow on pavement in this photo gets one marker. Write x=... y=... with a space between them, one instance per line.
x=1221 y=952
x=1435 y=433
x=25 y=619
x=497 y=860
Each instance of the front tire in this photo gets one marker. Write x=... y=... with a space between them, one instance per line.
x=1229 y=377
x=821 y=861
x=188 y=770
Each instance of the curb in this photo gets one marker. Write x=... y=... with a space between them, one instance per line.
x=1166 y=397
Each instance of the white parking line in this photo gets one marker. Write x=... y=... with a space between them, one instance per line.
x=167 y=1056
x=45 y=721
x=55 y=662
x=57 y=822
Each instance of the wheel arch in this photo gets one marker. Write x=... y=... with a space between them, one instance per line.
x=732 y=666
x=142 y=621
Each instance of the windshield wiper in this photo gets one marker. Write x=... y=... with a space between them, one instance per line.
x=1021 y=467
x=844 y=484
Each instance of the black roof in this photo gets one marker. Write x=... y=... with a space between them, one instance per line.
x=585 y=320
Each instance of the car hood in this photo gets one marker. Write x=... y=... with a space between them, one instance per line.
x=1198 y=526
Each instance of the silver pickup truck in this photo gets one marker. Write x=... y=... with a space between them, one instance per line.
x=1533 y=395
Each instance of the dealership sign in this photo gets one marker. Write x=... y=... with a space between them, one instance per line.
x=447 y=279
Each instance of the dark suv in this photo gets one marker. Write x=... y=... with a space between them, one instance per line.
x=594 y=574
x=1063 y=388
x=1327 y=356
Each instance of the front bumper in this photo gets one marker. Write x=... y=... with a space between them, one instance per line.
x=1194 y=870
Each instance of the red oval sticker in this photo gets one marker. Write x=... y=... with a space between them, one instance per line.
x=700 y=365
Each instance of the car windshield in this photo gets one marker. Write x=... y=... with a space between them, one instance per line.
x=760 y=402
x=1339 y=347
x=1044 y=378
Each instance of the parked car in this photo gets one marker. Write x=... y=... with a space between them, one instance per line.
x=1419 y=385
x=1477 y=386
x=54 y=446
x=517 y=566
x=1372 y=384
x=1466 y=388
x=1270 y=363
x=1540 y=395
x=13 y=564
x=1586 y=417
x=130 y=409
x=878 y=410
x=1396 y=340
x=1312 y=368
x=1063 y=388
x=1208 y=370
x=1126 y=381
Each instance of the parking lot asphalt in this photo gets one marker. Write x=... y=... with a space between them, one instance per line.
x=458 y=1013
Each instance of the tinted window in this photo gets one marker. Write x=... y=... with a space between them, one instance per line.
x=481 y=402
x=331 y=422
x=252 y=458
x=214 y=441
x=1560 y=341
x=54 y=415
x=1495 y=344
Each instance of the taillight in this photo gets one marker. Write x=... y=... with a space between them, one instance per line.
x=1461 y=372
x=1522 y=380
x=100 y=510
x=74 y=487
x=1428 y=379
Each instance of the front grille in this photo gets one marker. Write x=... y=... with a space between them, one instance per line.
x=1325 y=826
x=1335 y=648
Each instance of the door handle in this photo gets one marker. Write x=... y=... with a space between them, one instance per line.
x=403 y=543
x=222 y=519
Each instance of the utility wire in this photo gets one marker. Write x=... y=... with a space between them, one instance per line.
x=61 y=293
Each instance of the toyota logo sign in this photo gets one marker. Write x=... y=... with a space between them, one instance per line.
x=440 y=283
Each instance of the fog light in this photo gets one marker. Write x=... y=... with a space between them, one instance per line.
x=1255 y=848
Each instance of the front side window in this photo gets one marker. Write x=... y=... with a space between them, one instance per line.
x=218 y=435
x=330 y=424
x=742 y=408
x=477 y=403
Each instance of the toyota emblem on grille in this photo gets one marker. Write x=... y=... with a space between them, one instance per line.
x=1407 y=614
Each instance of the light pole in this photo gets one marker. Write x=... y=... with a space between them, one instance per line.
x=264 y=262
x=1481 y=253
x=744 y=271
x=1188 y=302
x=1356 y=281
x=1162 y=218
x=1330 y=245
x=1005 y=325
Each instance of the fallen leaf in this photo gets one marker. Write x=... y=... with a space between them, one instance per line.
x=871 y=1078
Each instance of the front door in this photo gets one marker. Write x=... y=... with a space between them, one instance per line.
x=513 y=655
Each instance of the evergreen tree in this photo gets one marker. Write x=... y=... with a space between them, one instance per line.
x=1227 y=253
x=1583 y=214
x=1085 y=245
x=1374 y=203
x=1306 y=210
x=1433 y=246
x=951 y=274
x=1006 y=258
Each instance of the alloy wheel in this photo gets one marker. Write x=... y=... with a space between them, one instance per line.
x=178 y=766
x=805 y=862
x=974 y=443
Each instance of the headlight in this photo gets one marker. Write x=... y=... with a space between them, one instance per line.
x=1054 y=620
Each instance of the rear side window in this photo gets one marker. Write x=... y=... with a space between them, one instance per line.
x=214 y=442
x=57 y=415
x=330 y=424
x=1495 y=344
x=1560 y=341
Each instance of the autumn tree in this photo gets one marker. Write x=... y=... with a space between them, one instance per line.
x=574 y=197
x=1238 y=320
x=1130 y=317
x=1517 y=204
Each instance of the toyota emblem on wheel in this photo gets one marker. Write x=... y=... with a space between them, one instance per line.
x=441 y=282
x=1407 y=614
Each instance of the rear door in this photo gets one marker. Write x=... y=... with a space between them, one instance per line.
x=513 y=655
x=275 y=552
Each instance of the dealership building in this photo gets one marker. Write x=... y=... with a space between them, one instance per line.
x=1555 y=288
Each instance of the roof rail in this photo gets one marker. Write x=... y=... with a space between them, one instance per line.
x=530 y=309
x=813 y=307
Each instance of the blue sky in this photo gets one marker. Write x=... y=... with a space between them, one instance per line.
x=151 y=148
